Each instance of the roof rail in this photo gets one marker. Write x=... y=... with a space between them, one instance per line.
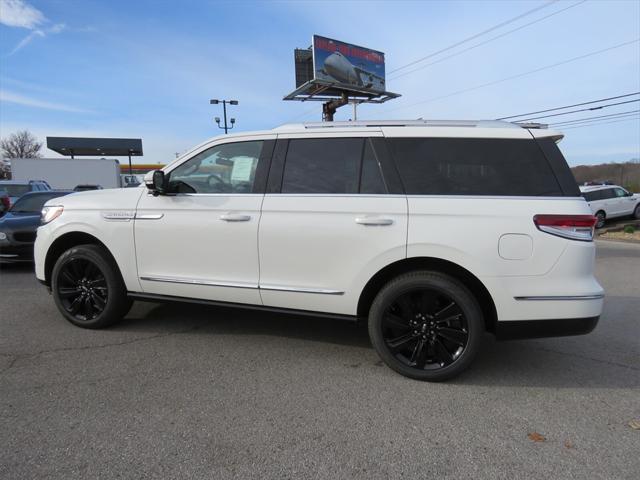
x=532 y=125
x=409 y=123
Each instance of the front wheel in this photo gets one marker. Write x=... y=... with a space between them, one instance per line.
x=87 y=287
x=426 y=325
x=636 y=213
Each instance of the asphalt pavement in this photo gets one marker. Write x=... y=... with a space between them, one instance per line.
x=183 y=391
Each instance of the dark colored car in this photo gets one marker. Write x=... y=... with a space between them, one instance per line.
x=86 y=188
x=5 y=202
x=18 y=226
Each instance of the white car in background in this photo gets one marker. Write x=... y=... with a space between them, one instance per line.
x=611 y=201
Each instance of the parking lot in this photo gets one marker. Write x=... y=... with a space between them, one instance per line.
x=183 y=391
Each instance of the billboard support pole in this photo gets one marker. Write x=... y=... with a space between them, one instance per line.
x=329 y=108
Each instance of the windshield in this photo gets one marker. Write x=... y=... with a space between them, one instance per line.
x=16 y=190
x=34 y=203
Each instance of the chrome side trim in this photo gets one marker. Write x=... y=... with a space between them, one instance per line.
x=189 y=281
x=322 y=291
x=212 y=283
x=595 y=296
x=149 y=216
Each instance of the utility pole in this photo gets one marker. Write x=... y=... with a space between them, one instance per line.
x=226 y=128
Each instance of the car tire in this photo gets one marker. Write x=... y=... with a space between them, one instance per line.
x=601 y=217
x=87 y=287
x=426 y=325
x=636 y=213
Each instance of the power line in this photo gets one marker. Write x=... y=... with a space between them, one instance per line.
x=570 y=106
x=602 y=123
x=579 y=110
x=519 y=75
x=486 y=41
x=495 y=27
x=584 y=119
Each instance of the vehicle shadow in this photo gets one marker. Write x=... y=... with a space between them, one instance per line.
x=567 y=362
x=172 y=317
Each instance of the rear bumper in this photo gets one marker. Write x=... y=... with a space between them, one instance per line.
x=520 y=329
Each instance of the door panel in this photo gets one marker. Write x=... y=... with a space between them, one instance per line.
x=203 y=241
x=328 y=245
x=187 y=246
x=321 y=240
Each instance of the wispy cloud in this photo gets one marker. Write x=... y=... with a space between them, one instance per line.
x=12 y=97
x=18 y=13
x=57 y=28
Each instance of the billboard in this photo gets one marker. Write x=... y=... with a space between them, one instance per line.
x=347 y=65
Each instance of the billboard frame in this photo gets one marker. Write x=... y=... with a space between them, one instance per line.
x=333 y=93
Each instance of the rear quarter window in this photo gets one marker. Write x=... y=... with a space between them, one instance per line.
x=474 y=166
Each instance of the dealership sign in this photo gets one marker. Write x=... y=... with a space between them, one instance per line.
x=347 y=65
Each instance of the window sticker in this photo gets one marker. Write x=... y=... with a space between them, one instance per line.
x=242 y=167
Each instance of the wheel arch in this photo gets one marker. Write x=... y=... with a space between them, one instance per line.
x=406 y=265
x=64 y=243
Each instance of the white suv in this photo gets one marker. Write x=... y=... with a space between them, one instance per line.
x=433 y=231
x=611 y=201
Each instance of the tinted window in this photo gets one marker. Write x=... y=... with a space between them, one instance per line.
x=322 y=165
x=227 y=168
x=16 y=190
x=34 y=203
x=371 y=177
x=473 y=166
x=607 y=193
x=591 y=196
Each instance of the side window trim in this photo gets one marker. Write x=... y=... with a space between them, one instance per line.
x=264 y=166
x=276 y=172
x=368 y=143
x=390 y=174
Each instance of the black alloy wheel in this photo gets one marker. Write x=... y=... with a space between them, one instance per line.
x=425 y=329
x=600 y=219
x=426 y=325
x=82 y=289
x=88 y=288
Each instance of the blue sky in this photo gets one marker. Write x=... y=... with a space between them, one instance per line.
x=148 y=68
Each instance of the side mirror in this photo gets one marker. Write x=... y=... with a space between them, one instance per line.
x=156 y=182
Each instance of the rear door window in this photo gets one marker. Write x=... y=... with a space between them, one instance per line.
x=323 y=165
x=474 y=166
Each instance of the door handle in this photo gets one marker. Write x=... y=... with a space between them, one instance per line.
x=374 y=221
x=234 y=217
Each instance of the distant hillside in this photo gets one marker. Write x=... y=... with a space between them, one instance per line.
x=626 y=174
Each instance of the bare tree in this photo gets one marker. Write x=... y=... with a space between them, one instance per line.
x=20 y=145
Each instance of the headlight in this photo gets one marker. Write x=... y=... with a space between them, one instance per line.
x=3 y=236
x=50 y=213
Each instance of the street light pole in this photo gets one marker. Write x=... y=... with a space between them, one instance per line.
x=226 y=128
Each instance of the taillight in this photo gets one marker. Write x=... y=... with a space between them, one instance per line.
x=574 y=227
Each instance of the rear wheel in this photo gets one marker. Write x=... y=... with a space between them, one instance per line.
x=600 y=219
x=87 y=287
x=426 y=325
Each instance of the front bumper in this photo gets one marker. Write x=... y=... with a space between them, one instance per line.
x=520 y=329
x=16 y=253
